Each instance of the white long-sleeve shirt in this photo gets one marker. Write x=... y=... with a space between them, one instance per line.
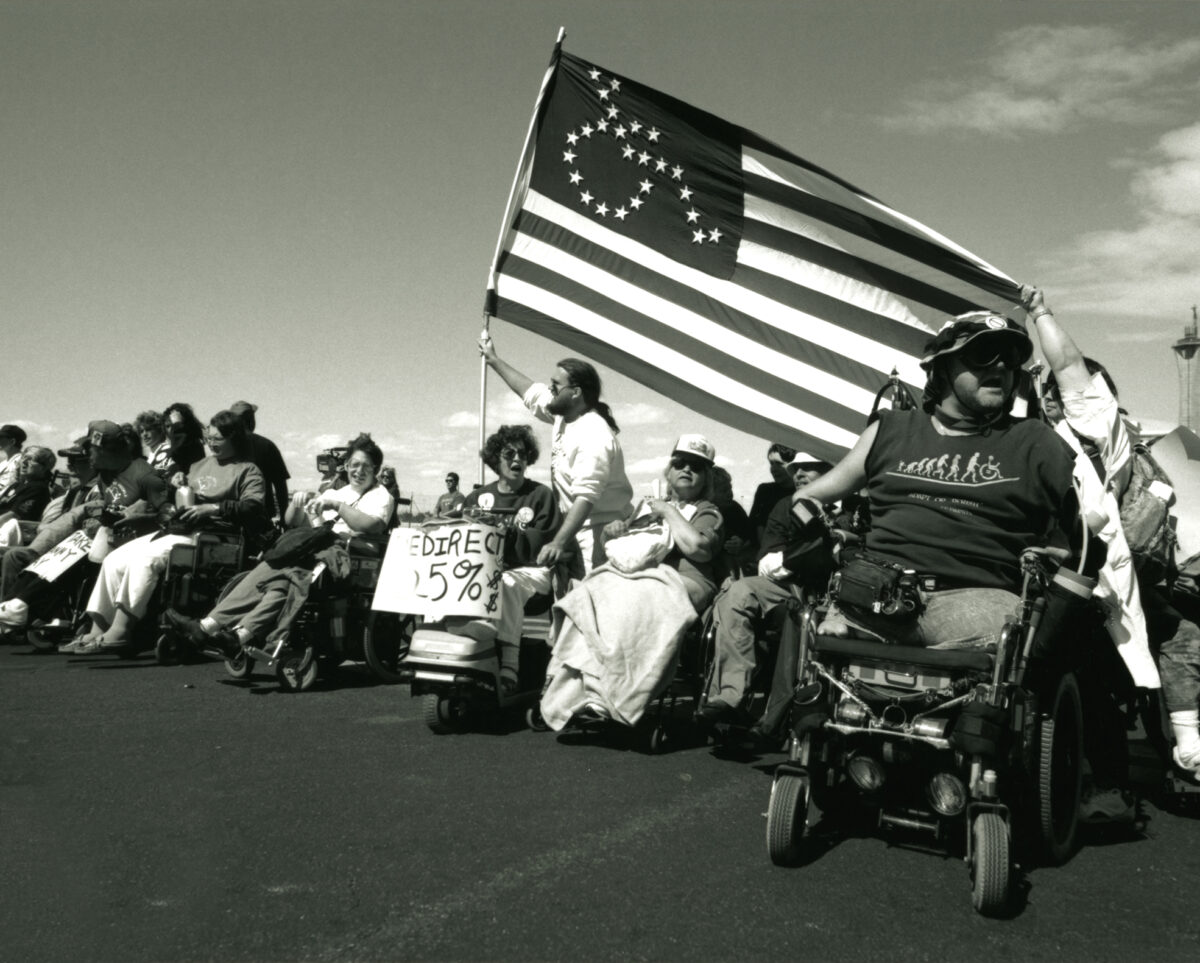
x=1094 y=414
x=586 y=461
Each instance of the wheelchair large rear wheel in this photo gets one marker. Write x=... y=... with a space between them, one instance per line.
x=990 y=866
x=386 y=638
x=787 y=818
x=1060 y=772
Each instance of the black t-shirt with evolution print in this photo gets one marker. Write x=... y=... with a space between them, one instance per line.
x=964 y=507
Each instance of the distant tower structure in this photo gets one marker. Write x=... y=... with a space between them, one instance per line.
x=1185 y=360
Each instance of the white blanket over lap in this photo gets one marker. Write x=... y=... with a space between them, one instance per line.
x=617 y=643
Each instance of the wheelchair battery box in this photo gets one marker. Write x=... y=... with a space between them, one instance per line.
x=364 y=572
x=914 y=677
x=205 y=556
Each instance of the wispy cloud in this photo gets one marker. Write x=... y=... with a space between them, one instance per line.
x=1146 y=270
x=1047 y=79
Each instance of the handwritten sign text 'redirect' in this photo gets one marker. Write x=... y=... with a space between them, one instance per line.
x=451 y=568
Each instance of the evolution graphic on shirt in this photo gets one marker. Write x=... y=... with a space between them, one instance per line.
x=950 y=469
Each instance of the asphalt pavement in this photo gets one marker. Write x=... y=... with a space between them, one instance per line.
x=171 y=814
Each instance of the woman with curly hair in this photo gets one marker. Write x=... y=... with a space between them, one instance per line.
x=531 y=517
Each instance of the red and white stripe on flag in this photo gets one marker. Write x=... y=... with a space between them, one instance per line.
x=717 y=268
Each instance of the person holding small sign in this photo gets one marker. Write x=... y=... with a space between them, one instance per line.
x=530 y=518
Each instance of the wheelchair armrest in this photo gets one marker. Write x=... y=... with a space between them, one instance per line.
x=366 y=546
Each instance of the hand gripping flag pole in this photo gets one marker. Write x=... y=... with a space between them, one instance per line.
x=519 y=184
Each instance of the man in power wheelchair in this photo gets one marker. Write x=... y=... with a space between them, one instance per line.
x=927 y=682
x=293 y=610
x=747 y=614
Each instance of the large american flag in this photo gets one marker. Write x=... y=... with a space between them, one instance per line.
x=717 y=268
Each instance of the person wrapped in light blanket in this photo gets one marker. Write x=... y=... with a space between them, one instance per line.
x=617 y=633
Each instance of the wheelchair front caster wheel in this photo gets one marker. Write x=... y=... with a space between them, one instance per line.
x=297 y=671
x=990 y=866
x=787 y=818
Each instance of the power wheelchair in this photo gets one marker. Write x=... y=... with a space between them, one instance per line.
x=973 y=748
x=334 y=625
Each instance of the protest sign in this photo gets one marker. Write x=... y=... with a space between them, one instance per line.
x=449 y=568
x=60 y=558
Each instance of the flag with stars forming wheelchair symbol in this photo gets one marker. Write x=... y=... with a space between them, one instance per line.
x=717 y=268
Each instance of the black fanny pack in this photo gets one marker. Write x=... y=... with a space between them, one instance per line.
x=872 y=584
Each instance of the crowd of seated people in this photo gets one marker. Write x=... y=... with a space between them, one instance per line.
x=965 y=544
x=137 y=489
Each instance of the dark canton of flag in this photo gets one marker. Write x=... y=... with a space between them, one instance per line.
x=648 y=167
x=717 y=268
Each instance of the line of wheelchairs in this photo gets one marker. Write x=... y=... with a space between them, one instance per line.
x=334 y=624
x=977 y=753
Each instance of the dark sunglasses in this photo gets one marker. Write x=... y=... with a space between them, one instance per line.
x=688 y=461
x=508 y=454
x=984 y=353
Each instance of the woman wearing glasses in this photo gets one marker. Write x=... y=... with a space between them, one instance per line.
x=531 y=518
x=621 y=630
x=271 y=594
x=587 y=465
x=226 y=486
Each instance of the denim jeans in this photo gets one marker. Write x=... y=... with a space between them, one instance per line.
x=1176 y=640
x=965 y=618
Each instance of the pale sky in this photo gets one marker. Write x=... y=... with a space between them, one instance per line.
x=297 y=202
